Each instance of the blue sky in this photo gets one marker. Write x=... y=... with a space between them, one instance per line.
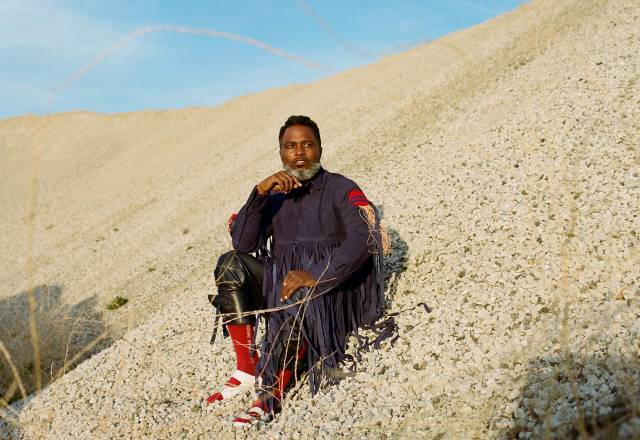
x=45 y=44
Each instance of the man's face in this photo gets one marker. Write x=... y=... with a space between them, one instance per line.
x=299 y=149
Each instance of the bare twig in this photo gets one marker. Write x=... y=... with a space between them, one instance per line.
x=14 y=370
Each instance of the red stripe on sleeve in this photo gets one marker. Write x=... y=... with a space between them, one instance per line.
x=357 y=198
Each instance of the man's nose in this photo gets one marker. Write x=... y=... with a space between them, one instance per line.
x=300 y=150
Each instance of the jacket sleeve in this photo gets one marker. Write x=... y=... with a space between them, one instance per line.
x=252 y=222
x=354 y=251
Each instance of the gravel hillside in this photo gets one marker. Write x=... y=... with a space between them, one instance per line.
x=506 y=159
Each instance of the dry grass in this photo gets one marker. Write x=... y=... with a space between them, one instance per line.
x=65 y=336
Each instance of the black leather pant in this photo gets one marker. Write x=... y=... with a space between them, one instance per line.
x=239 y=281
x=238 y=276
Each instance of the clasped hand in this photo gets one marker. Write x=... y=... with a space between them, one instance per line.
x=295 y=280
x=279 y=182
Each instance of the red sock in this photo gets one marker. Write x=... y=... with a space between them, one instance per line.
x=242 y=338
x=284 y=376
x=283 y=379
x=302 y=350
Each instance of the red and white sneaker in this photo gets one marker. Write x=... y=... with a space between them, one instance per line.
x=239 y=383
x=255 y=416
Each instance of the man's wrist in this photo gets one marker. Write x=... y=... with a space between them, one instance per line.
x=311 y=279
x=260 y=192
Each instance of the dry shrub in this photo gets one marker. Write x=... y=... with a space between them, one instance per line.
x=64 y=332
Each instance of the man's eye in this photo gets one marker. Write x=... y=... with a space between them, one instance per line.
x=307 y=145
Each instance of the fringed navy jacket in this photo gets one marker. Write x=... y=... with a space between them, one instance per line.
x=321 y=228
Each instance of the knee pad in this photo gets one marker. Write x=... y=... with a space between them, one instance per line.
x=237 y=290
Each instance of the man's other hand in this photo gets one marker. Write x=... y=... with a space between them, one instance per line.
x=280 y=182
x=294 y=281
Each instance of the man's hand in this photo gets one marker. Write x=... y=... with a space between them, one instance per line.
x=280 y=181
x=294 y=281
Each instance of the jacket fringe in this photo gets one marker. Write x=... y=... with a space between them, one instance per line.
x=328 y=317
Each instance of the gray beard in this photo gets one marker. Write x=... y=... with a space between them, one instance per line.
x=303 y=175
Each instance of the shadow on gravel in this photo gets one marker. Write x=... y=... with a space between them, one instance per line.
x=589 y=397
x=395 y=263
x=67 y=336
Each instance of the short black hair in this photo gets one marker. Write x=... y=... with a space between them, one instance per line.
x=300 y=120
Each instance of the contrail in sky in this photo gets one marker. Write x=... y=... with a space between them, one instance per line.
x=100 y=57
x=331 y=31
x=319 y=19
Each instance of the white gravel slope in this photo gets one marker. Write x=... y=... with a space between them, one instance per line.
x=509 y=175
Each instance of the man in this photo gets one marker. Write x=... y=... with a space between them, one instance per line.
x=317 y=276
